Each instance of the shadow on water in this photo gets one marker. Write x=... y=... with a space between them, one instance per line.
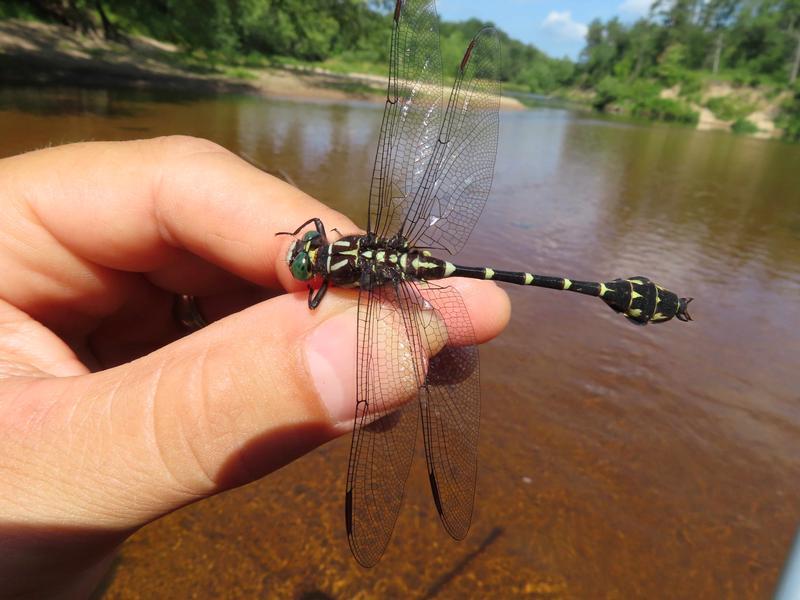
x=50 y=101
x=461 y=566
x=64 y=102
x=314 y=595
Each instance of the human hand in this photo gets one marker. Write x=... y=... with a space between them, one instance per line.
x=109 y=418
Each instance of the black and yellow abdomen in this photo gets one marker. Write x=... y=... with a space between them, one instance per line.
x=644 y=301
x=640 y=300
x=368 y=262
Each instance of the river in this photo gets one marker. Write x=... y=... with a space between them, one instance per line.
x=615 y=461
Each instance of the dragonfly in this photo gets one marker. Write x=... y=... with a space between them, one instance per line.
x=431 y=178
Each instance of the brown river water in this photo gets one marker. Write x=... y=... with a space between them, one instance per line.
x=615 y=461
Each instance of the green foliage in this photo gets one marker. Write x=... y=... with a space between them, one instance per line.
x=609 y=90
x=744 y=127
x=17 y=9
x=524 y=66
x=312 y=30
x=240 y=73
x=757 y=39
x=691 y=87
x=687 y=43
x=763 y=36
x=78 y=14
x=681 y=42
x=332 y=32
x=789 y=119
x=729 y=108
x=666 y=109
x=641 y=98
x=671 y=65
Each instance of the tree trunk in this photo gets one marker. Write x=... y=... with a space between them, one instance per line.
x=717 y=53
x=80 y=19
x=796 y=64
x=109 y=31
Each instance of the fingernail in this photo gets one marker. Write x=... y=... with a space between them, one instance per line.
x=330 y=352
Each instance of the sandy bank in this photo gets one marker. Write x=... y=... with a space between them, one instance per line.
x=40 y=53
x=763 y=114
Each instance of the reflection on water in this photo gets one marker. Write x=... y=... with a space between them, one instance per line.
x=617 y=461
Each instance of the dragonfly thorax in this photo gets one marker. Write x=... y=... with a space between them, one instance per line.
x=367 y=261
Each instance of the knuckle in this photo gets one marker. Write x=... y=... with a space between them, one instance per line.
x=183 y=145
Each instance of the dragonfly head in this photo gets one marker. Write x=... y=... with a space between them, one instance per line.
x=682 y=313
x=300 y=256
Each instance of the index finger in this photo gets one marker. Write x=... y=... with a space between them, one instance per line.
x=132 y=206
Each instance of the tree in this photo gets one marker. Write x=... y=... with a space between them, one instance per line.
x=643 y=46
x=602 y=46
x=717 y=17
x=766 y=38
x=680 y=22
x=791 y=10
x=72 y=13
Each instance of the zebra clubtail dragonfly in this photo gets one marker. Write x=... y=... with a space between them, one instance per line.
x=432 y=175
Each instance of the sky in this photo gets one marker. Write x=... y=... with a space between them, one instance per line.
x=557 y=27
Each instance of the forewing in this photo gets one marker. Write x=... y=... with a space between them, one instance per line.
x=450 y=404
x=412 y=116
x=390 y=365
x=460 y=172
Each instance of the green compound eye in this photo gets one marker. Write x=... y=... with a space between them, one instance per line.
x=301 y=267
x=310 y=235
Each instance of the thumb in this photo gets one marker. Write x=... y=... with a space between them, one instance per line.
x=216 y=409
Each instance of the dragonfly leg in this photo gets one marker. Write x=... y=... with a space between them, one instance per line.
x=315 y=299
x=317 y=225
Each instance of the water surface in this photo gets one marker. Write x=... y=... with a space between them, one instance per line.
x=615 y=461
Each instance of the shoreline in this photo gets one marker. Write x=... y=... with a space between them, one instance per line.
x=34 y=53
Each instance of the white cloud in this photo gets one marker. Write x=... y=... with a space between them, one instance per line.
x=636 y=8
x=562 y=25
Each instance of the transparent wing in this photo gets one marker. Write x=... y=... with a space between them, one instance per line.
x=390 y=364
x=398 y=328
x=459 y=175
x=450 y=403
x=412 y=116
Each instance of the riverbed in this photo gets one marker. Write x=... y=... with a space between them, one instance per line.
x=615 y=461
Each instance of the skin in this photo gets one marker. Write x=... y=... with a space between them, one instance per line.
x=110 y=416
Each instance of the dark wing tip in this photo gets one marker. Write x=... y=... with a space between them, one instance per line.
x=367 y=556
x=348 y=512
x=484 y=31
x=455 y=527
x=467 y=54
x=437 y=499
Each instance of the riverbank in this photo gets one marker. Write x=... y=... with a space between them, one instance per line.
x=723 y=106
x=48 y=54
x=707 y=103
